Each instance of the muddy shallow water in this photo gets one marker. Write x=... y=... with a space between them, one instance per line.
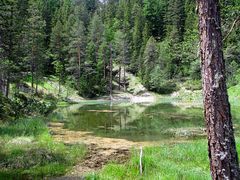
x=134 y=122
x=110 y=130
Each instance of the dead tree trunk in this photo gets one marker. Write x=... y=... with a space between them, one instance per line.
x=221 y=143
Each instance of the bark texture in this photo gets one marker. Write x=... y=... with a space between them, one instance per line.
x=110 y=76
x=221 y=143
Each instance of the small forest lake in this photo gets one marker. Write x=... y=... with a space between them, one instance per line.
x=146 y=123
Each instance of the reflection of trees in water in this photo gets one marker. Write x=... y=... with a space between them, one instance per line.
x=131 y=122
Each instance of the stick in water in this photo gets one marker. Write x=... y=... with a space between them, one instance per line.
x=140 y=162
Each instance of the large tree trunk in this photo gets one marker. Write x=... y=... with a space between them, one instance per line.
x=221 y=144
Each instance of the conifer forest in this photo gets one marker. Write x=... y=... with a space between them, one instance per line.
x=119 y=89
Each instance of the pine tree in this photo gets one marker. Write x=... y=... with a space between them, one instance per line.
x=58 y=49
x=35 y=43
x=175 y=19
x=8 y=43
x=96 y=30
x=137 y=37
x=154 y=12
x=150 y=57
x=60 y=38
x=221 y=143
x=76 y=50
x=120 y=51
x=92 y=79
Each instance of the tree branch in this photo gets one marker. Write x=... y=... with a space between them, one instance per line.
x=232 y=27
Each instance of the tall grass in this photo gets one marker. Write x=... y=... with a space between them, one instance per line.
x=179 y=161
x=27 y=150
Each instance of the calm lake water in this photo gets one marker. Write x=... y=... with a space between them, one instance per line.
x=137 y=122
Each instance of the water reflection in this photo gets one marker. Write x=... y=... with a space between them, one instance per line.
x=136 y=122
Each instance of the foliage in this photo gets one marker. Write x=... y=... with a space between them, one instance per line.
x=22 y=105
x=78 y=34
x=5 y=108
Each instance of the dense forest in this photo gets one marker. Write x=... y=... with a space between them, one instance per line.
x=118 y=89
x=83 y=41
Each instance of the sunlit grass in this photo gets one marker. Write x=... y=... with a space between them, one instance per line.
x=178 y=161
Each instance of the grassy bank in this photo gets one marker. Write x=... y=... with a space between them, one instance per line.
x=177 y=161
x=28 y=151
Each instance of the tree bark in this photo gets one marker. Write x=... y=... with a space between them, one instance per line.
x=110 y=78
x=7 y=86
x=36 y=87
x=104 y=65
x=124 y=77
x=79 y=66
x=221 y=143
x=119 y=77
x=2 y=83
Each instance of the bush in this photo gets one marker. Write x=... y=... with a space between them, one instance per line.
x=24 y=105
x=6 y=111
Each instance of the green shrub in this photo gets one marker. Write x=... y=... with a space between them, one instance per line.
x=30 y=106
